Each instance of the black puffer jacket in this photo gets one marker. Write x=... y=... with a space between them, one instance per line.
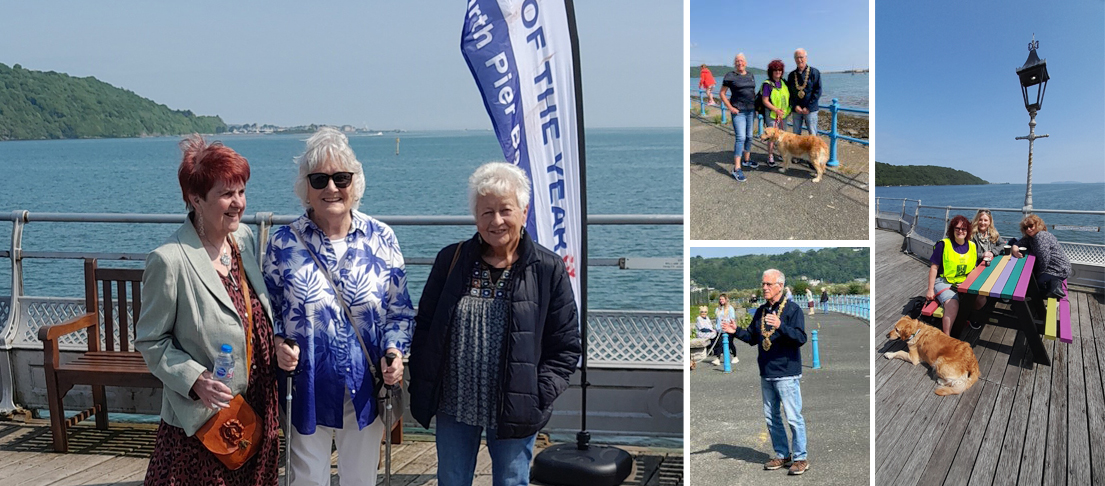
x=542 y=344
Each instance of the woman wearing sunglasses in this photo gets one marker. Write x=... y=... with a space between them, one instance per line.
x=953 y=258
x=339 y=289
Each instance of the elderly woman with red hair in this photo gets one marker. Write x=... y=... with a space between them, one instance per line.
x=776 y=98
x=202 y=294
x=953 y=258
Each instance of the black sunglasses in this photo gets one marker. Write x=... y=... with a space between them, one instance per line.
x=319 y=180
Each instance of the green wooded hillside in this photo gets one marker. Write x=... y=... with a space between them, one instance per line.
x=922 y=175
x=719 y=71
x=49 y=105
x=837 y=265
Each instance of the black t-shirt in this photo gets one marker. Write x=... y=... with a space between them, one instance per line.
x=742 y=90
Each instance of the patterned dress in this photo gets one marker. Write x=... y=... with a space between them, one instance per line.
x=473 y=378
x=178 y=459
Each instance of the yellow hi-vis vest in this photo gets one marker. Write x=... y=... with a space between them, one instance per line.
x=956 y=266
x=780 y=97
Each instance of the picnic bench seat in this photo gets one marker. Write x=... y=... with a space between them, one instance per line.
x=108 y=362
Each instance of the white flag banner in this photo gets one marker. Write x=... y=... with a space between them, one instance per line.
x=520 y=54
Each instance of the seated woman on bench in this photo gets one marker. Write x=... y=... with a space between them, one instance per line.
x=985 y=236
x=1052 y=266
x=953 y=258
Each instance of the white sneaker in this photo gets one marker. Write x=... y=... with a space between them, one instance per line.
x=714 y=361
x=735 y=360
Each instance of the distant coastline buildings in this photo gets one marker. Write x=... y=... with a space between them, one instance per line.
x=267 y=129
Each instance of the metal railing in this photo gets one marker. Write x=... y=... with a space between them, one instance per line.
x=924 y=225
x=617 y=339
x=833 y=108
x=858 y=306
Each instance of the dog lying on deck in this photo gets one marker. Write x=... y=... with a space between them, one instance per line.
x=810 y=147
x=953 y=360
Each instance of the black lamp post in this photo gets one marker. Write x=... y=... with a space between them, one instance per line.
x=1032 y=73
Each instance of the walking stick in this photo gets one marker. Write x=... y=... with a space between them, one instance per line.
x=288 y=423
x=388 y=389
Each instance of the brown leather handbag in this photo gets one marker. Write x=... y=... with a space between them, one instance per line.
x=233 y=434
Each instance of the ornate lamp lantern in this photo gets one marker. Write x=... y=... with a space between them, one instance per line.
x=1032 y=73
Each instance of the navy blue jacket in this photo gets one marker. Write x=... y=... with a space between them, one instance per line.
x=813 y=89
x=784 y=358
x=542 y=343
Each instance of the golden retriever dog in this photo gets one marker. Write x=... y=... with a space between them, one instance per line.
x=810 y=147
x=953 y=360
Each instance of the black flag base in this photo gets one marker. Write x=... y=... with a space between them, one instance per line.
x=582 y=464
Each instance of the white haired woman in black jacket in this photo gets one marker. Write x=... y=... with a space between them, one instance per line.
x=496 y=336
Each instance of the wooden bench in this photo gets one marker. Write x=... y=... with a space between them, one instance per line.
x=1058 y=318
x=107 y=362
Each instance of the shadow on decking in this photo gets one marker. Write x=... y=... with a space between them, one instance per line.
x=1021 y=423
x=120 y=455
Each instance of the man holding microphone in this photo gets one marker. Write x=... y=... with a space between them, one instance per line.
x=778 y=331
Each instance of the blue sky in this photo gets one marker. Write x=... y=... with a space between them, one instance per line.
x=384 y=64
x=947 y=94
x=835 y=34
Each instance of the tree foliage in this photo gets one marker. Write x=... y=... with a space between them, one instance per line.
x=49 y=105
x=922 y=175
x=836 y=265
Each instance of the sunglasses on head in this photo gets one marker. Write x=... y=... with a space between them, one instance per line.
x=319 y=180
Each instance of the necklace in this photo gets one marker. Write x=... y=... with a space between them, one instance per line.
x=224 y=258
x=766 y=343
x=802 y=87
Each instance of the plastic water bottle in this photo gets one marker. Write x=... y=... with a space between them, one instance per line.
x=224 y=364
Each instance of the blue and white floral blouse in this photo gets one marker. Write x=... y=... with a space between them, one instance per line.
x=373 y=282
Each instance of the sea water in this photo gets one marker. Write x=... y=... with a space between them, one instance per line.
x=629 y=171
x=850 y=90
x=1072 y=196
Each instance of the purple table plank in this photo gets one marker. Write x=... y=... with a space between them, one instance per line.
x=1064 y=319
x=1022 y=284
x=1003 y=278
x=1014 y=278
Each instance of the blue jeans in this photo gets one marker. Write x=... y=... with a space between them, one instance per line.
x=742 y=127
x=786 y=392
x=457 y=445
x=810 y=120
x=825 y=307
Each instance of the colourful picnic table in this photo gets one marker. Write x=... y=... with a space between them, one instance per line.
x=1008 y=278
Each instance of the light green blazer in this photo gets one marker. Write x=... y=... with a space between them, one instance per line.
x=187 y=315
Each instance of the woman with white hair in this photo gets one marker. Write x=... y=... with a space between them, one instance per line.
x=496 y=336
x=338 y=287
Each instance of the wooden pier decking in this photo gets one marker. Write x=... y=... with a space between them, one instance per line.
x=119 y=456
x=1021 y=423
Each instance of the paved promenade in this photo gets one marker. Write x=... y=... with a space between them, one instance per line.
x=728 y=441
x=771 y=205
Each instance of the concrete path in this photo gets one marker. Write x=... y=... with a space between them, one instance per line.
x=771 y=205
x=728 y=441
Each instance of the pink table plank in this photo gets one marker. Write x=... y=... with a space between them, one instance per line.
x=1006 y=272
x=971 y=277
x=1064 y=321
x=979 y=281
x=1022 y=284
x=995 y=274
